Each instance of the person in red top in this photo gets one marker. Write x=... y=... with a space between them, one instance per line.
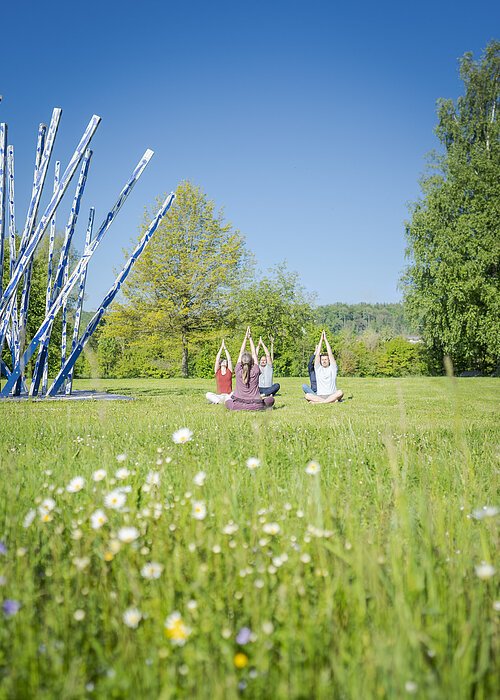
x=223 y=377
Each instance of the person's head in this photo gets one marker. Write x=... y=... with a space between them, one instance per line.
x=246 y=364
x=263 y=361
x=324 y=359
x=223 y=364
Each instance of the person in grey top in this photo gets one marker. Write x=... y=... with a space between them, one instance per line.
x=266 y=386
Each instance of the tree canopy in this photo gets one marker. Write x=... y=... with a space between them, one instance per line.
x=451 y=285
x=181 y=283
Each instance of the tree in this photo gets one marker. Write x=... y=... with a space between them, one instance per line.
x=181 y=283
x=278 y=308
x=451 y=285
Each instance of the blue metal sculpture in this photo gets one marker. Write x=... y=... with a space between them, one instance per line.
x=13 y=320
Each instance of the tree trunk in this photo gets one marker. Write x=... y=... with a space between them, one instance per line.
x=184 y=355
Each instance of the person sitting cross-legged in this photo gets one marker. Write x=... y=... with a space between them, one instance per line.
x=246 y=396
x=266 y=386
x=325 y=369
x=223 y=377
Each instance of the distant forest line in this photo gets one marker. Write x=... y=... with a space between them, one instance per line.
x=386 y=319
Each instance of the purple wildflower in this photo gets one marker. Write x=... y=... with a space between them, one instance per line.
x=11 y=607
x=243 y=636
x=3 y=548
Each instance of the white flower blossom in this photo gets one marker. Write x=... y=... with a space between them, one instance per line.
x=199 y=510
x=29 y=517
x=81 y=563
x=253 y=463
x=199 y=478
x=99 y=475
x=485 y=571
x=271 y=528
x=122 y=473
x=230 y=529
x=312 y=468
x=115 y=499
x=75 y=484
x=128 y=534
x=153 y=478
x=182 y=435
x=132 y=617
x=151 y=570
x=97 y=519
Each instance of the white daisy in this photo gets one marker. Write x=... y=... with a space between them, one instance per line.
x=253 y=462
x=151 y=570
x=121 y=457
x=98 y=519
x=271 y=528
x=182 y=435
x=81 y=563
x=199 y=510
x=176 y=630
x=485 y=571
x=29 y=517
x=75 y=484
x=99 y=475
x=153 y=479
x=128 y=534
x=199 y=478
x=312 y=468
x=132 y=617
x=46 y=506
x=122 y=473
x=115 y=499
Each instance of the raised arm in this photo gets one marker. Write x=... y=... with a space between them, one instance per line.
x=253 y=350
x=268 y=356
x=228 y=357
x=244 y=344
x=271 y=338
x=317 y=358
x=217 y=360
x=329 y=351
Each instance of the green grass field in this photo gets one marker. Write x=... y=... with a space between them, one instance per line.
x=359 y=581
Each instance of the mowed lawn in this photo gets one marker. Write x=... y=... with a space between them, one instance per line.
x=372 y=578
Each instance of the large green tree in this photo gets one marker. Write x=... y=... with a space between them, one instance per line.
x=181 y=283
x=451 y=285
x=277 y=307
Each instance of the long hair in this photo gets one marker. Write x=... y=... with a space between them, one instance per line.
x=246 y=363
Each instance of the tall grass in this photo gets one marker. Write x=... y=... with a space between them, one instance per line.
x=369 y=590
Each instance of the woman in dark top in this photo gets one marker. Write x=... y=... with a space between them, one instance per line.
x=246 y=396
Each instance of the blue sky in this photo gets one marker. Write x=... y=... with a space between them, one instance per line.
x=308 y=122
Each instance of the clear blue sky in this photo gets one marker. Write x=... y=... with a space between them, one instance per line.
x=309 y=122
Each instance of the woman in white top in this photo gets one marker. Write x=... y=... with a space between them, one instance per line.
x=325 y=369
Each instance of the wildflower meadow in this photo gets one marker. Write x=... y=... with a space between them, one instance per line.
x=167 y=548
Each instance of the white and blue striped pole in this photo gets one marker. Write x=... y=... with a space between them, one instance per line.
x=12 y=208
x=76 y=274
x=61 y=273
x=3 y=147
x=44 y=221
x=93 y=323
x=42 y=157
x=64 y=258
x=12 y=248
x=79 y=303
x=48 y=294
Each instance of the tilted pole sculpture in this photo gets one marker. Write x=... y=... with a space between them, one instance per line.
x=13 y=320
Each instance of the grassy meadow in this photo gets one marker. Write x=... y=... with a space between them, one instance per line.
x=370 y=578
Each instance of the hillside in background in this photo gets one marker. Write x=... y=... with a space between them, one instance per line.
x=358 y=318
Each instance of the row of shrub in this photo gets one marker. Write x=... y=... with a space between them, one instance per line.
x=371 y=354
